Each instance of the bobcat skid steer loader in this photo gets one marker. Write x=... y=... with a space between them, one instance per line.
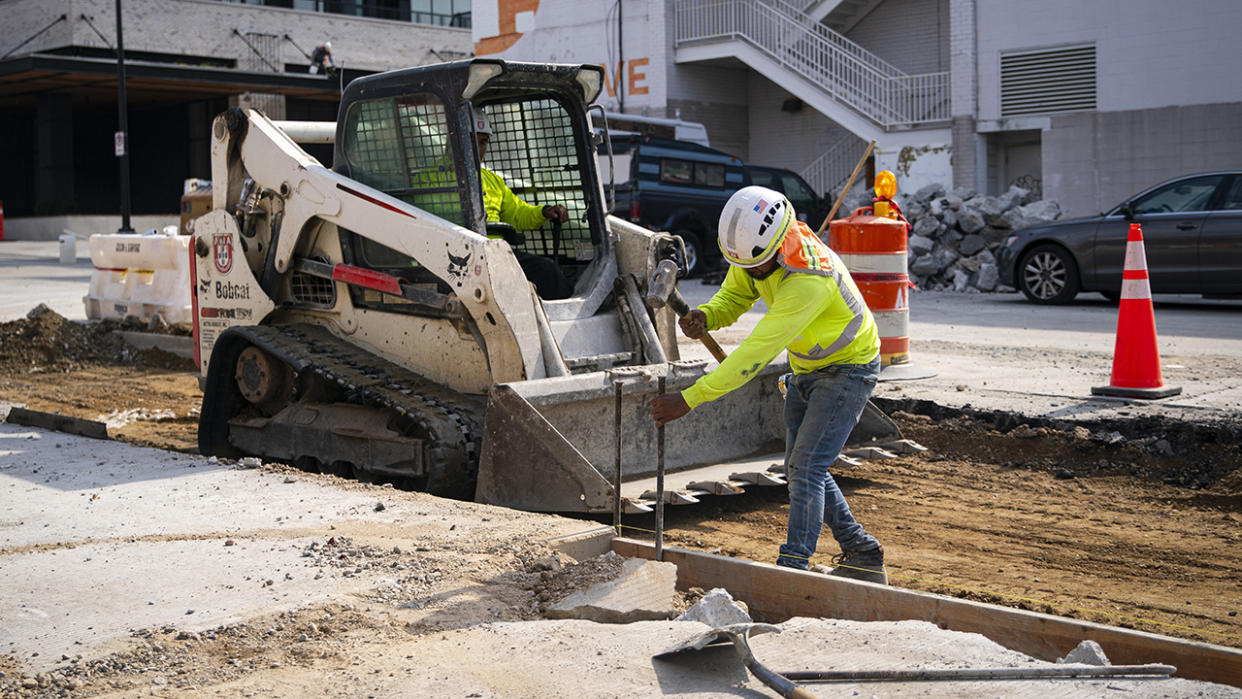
x=366 y=320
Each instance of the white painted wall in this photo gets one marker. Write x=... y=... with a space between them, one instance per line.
x=1149 y=53
x=205 y=28
x=917 y=158
x=573 y=31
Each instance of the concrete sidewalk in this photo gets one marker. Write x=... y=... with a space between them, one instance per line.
x=98 y=538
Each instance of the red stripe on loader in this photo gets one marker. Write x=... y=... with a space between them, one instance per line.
x=373 y=200
x=369 y=278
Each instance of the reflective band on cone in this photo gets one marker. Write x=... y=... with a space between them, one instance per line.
x=1136 y=359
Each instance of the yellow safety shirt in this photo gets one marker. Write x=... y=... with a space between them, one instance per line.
x=501 y=204
x=815 y=311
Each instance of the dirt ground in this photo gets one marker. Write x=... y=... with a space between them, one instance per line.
x=1135 y=524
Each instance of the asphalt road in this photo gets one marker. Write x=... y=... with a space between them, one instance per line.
x=999 y=351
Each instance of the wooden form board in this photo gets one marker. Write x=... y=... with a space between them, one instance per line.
x=775 y=594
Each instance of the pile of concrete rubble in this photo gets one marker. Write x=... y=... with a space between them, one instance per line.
x=958 y=232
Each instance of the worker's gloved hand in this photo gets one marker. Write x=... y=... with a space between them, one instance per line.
x=668 y=407
x=694 y=324
x=556 y=212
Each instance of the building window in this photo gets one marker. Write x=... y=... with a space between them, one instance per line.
x=1048 y=80
x=445 y=13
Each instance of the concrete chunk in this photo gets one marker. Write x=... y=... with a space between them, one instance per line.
x=1086 y=653
x=645 y=590
x=717 y=609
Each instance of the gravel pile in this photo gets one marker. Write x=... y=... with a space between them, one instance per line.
x=958 y=231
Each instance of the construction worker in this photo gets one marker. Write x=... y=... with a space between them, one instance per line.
x=502 y=205
x=816 y=312
x=321 y=55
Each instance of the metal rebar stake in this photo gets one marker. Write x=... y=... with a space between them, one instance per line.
x=659 y=542
x=616 y=453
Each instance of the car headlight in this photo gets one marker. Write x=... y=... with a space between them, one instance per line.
x=1010 y=241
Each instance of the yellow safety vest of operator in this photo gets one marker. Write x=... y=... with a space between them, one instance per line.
x=502 y=205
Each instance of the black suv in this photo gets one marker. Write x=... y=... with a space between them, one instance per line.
x=681 y=187
x=811 y=207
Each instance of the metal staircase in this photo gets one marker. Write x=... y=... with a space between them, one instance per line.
x=828 y=172
x=824 y=10
x=841 y=79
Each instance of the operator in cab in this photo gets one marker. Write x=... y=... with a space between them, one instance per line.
x=503 y=206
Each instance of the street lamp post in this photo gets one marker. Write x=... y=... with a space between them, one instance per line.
x=122 y=136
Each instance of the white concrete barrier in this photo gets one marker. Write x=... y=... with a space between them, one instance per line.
x=140 y=276
x=68 y=249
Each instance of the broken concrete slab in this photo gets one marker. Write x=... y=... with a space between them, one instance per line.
x=644 y=591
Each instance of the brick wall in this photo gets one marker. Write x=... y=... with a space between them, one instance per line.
x=786 y=139
x=913 y=35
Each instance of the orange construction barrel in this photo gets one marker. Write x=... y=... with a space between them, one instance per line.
x=874 y=251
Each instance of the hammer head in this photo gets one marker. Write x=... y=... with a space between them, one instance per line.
x=662 y=285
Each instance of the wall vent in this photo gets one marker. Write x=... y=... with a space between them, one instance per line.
x=1040 y=81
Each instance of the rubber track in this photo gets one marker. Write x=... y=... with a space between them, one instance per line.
x=451 y=420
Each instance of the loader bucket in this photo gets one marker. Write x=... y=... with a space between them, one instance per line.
x=549 y=444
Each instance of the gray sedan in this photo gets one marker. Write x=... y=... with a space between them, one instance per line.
x=1192 y=234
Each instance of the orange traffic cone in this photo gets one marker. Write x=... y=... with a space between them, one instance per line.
x=1136 y=361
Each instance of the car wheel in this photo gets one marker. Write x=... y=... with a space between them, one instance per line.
x=1048 y=274
x=694 y=253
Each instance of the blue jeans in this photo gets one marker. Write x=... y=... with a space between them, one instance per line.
x=821 y=409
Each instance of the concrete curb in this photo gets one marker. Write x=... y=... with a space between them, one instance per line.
x=179 y=345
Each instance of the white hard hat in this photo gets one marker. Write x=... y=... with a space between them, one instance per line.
x=481 y=124
x=327 y=45
x=753 y=224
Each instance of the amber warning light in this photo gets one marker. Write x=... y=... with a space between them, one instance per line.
x=885 y=190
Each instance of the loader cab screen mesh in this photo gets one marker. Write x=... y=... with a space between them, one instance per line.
x=534 y=151
x=401 y=146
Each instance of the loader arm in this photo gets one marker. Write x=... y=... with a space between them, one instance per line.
x=471 y=264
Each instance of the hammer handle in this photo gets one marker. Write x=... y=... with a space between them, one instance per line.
x=681 y=308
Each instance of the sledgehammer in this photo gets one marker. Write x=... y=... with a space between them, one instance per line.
x=663 y=291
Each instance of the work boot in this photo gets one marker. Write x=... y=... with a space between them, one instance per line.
x=861 y=565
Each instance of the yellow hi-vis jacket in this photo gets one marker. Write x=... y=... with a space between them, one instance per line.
x=501 y=204
x=814 y=310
